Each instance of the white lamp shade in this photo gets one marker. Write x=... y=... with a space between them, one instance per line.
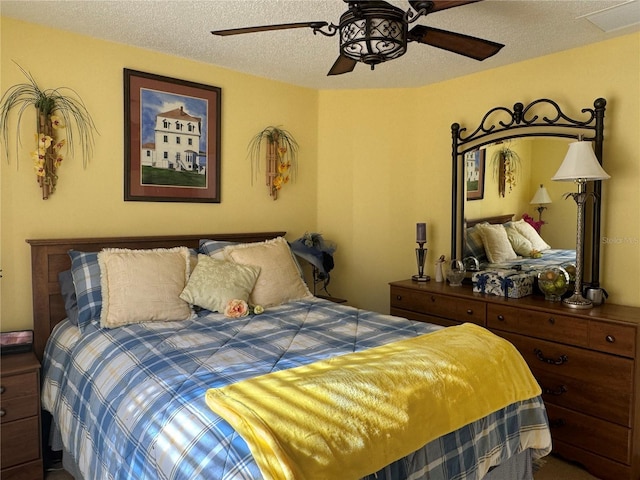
x=580 y=163
x=541 y=197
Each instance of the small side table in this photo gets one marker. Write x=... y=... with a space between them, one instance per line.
x=20 y=445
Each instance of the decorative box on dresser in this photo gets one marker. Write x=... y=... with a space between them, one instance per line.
x=586 y=362
x=20 y=446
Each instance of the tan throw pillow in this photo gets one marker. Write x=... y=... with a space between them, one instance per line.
x=143 y=285
x=520 y=244
x=496 y=243
x=214 y=282
x=279 y=280
x=528 y=232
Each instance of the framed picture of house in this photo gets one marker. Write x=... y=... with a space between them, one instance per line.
x=172 y=139
x=474 y=174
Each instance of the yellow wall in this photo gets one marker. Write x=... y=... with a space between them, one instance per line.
x=372 y=162
x=385 y=163
x=89 y=202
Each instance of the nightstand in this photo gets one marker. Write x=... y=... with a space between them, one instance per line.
x=20 y=445
x=332 y=299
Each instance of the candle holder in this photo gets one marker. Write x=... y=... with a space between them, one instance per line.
x=421 y=255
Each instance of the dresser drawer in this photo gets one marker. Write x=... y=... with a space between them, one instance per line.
x=613 y=338
x=421 y=317
x=596 y=383
x=459 y=309
x=13 y=386
x=550 y=326
x=16 y=408
x=592 y=434
x=30 y=471
x=20 y=442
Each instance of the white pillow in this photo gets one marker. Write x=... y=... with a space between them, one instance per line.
x=530 y=234
x=143 y=285
x=214 y=282
x=279 y=280
x=496 y=243
x=520 y=244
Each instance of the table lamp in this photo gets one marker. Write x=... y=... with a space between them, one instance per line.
x=580 y=166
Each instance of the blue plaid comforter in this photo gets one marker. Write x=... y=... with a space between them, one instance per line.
x=550 y=258
x=130 y=402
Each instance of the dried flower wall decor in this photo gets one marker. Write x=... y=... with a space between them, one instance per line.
x=505 y=163
x=281 y=157
x=58 y=110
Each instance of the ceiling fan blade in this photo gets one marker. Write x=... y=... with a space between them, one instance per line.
x=471 y=47
x=266 y=28
x=444 y=4
x=342 y=65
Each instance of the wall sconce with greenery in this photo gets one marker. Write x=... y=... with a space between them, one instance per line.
x=281 y=157
x=505 y=163
x=57 y=109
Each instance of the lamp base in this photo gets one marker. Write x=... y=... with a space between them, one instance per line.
x=577 y=301
x=420 y=278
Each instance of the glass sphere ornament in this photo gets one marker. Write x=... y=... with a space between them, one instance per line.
x=553 y=282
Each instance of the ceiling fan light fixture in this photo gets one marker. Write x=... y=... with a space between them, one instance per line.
x=374 y=35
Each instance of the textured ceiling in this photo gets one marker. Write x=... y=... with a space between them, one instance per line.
x=182 y=27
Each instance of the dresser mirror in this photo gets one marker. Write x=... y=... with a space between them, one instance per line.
x=539 y=134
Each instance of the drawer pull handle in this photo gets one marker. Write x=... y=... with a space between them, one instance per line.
x=433 y=299
x=557 y=423
x=3 y=412
x=501 y=318
x=610 y=339
x=552 y=320
x=398 y=297
x=2 y=389
x=469 y=311
x=559 y=391
x=550 y=361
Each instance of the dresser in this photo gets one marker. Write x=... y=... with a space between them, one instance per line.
x=586 y=362
x=20 y=446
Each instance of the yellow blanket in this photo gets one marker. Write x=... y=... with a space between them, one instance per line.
x=351 y=415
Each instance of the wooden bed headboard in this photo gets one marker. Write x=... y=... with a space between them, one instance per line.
x=49 y=257
x=495 y=220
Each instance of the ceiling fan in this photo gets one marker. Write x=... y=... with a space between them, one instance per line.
x=374 y=31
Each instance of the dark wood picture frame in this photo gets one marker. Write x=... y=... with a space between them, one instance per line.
x=474 y=170
x=172 y=139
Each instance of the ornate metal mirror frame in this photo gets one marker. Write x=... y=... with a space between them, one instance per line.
x=540 y=118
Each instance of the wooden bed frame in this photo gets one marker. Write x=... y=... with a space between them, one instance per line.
x=49 y=257
x=495 y=220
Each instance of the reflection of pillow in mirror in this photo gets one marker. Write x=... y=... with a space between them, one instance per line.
x=474 y=245
x=520 y=244
x=528 y=232
x=496 y=243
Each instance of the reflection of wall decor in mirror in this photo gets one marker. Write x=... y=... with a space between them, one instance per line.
x=541 y=120
x=474 y=168
x=505 y=165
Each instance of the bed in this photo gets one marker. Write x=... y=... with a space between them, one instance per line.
x=128 y=401
x=507 y=244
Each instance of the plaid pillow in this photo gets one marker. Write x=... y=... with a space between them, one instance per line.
x=86 y=278
x=209 y=247
x=473 y=245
